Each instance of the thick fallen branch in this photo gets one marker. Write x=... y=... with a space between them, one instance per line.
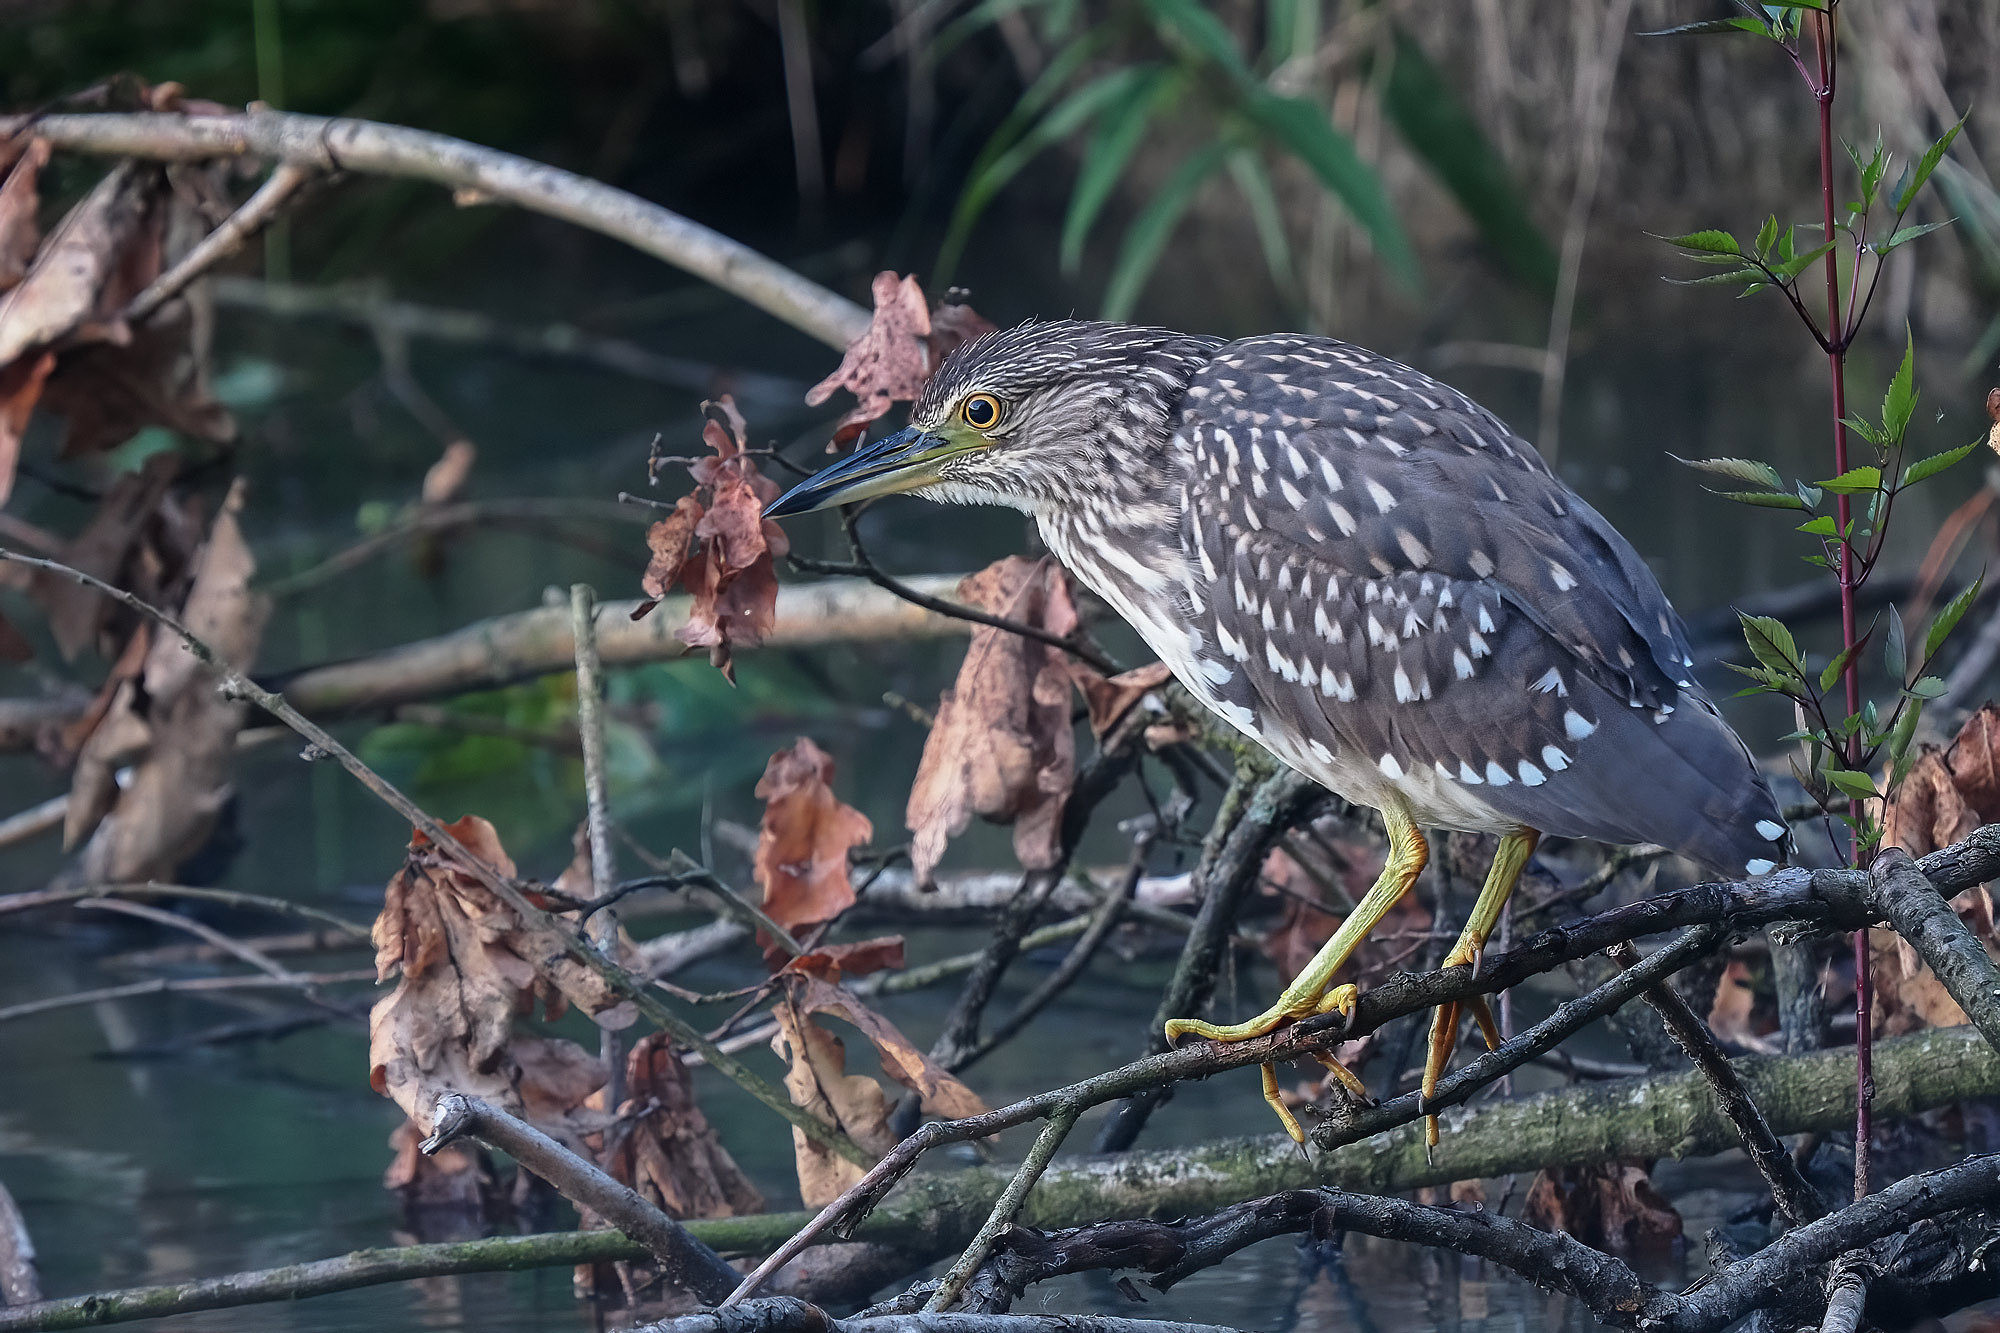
x=321 y=144
x=789 y=1315
x=1924 y=916
x=491 y=653
x=933 y=1214
x=684 y=1261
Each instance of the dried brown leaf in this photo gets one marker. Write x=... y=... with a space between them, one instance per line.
x=889 y=362
x=1002 y=747
x=102 y=253
x=1110 y=698
x=170 y=804
x=671 y=1154
x=20 y=227
x=941 y=1093
x=831 y=962
x=954 y=324
x=817 y=1080
x=21 y=384
x=444 y=479
x=110 y=540
x=667 y=546
x=732 y=573
x=1733 y=1013
x=1610 y=1206
x=804 y=839
x=467 y=966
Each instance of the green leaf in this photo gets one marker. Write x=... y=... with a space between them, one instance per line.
x=1910 y=234
x=1711 y=242
x=1926 y=687
x=1850 y=783
x=1763 y=499
x=1247 y=169
x=1820 y=526
x=1767 y=236
x=1194 y=28
x=1754 y=471
x=1433 y=122
x=1154 y=226
x=1925 y=166
x=1833 y=670
x=1306 y=131
x=1119 y=132
x=1854 y=481
x=1900 y=737
x=1947 y=619
x=1866 y=430
x=1021 y=136
x=1925 y=468
x=1808 y=495
x=1900 y=400
x=1707 y=26
x=1753 y=276
x=1798 y=264
x=1773 y=645
x=1896 y=649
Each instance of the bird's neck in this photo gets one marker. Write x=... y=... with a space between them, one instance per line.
x=1119 y=533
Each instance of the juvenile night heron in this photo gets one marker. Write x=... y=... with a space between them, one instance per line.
x=1364 y=571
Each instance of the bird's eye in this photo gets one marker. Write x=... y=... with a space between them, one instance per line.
x=981 y=411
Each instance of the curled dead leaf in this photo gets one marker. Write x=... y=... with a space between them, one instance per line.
x=831 y=962
x=904 y=344
x=1110 y=698
x=804 y=838
x=20 y=227
x=670 y=1153
x=1002 y=747
x=732 y=571
x=941 y=1093
x=817 y=1081
x=446 y=478
x=466 y=967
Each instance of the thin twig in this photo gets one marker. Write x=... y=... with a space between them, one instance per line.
x=550 y=937
x=1009 y=1203
x=177 y=986
x=256 y=213
x=1794 y=1194
x=602 y=927
x=40 y=898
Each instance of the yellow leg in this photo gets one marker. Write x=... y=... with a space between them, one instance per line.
x=1509 y=860
x=1312 y=991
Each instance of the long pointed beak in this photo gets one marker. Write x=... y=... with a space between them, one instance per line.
x=901 y=462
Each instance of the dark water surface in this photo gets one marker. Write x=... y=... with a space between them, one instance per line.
x=151 y=1170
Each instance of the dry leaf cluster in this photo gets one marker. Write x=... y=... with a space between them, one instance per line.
x=718 y=545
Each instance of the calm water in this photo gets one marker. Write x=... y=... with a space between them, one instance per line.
x=148 y=1170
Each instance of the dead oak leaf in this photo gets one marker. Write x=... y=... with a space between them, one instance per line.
x=20 y=228
x=905 y=343
x=1110 y=698
x=1002 y=746
x=818 y=1083
x=466 y=966
x=731 y=572
x=941 y=1093
x=102 y=253
x=804 y=838
x=831 y=962
x=670 y=1154
x=1609 y=1206
x=888 y=363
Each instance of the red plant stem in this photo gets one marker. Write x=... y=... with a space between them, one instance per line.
x=1838 y=335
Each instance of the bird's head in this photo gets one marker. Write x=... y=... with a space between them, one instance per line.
x=1023 y=417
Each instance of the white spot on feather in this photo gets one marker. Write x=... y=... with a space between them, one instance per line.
x=1576 y=726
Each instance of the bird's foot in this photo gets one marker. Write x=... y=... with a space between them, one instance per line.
x=1444 y=1033
x=1337 y=999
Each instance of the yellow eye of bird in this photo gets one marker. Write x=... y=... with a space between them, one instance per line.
x=980 y=411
